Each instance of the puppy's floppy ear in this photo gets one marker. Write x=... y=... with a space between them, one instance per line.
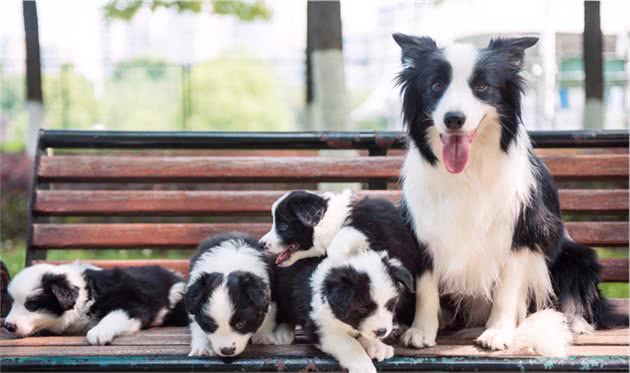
x=198 y=291
x=514 y=48
x=413 y=46
x=400 y=274
x=309 y=208
x=60 y=288
x=340 y=288
x=256 y=290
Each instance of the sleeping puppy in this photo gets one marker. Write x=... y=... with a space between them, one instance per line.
x=346 y=304
x=105 y=303
x=228 y=297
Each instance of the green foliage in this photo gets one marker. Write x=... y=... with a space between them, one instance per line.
x=154 y=68
x=244 y=10
x=235 y=93
x=69 y=100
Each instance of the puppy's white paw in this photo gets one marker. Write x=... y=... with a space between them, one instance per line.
x=284 y=334
x=200 y=350
x=361 y=366
x=265 y=338
x=418 y=338
x=581 y=326
x=378 y=350
x=496 y=338
x=100 y=336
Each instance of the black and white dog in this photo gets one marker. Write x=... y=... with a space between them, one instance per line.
x=105 y=303
x=228 y=297
x=482 y=205
x=346 y=304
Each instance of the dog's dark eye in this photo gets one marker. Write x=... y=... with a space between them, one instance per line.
x=282 y=227
x=239 y=325
x=30 y=306
x=437 y=86
x=362 y=311
x=481 y=87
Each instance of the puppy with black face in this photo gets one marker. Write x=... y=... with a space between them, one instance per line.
x=228 y=297
x=106 y=303
x=346 y=304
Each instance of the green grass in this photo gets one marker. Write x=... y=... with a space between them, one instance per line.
x=13 y=254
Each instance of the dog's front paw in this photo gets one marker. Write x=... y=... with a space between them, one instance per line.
x=200 y=349
x=284 y=334
x=496 y=338
x=378 y=350
x=419 y=338
x=361 y=366
x=100 y=336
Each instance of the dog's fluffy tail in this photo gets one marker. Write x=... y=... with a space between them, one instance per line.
x=545 y=332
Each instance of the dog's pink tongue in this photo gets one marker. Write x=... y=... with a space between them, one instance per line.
x=455 y=152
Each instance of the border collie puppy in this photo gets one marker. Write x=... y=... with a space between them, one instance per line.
x=484 y=208
x=105 y=303
x=228 y=297
x=345 y=304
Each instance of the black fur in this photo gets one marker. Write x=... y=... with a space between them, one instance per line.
x=5 y=298
x=250 y=296
x=248 y=292
x=295 y=217
x=57 y=295
x=573 y=268
x=140 y=291
x=348 y=293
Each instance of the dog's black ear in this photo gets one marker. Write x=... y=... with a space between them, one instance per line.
x=399 y=273
x=255 y=288
x=339 y=288
x=309 y=208
x=59 y=286
x=413 y=46
x=199 y=290
x=514 y=48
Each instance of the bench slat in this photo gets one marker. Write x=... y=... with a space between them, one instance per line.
x=614 y=270
x=138 y=235
x=181 y=336
x=185 y=202
x=154 y=168
x=286 y=350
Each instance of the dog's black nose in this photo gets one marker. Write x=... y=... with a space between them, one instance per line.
x=380 y=332
x=228 y=351
x=9 y=326
x=454 y=120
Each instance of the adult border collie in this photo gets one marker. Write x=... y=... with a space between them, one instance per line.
x=482 y=205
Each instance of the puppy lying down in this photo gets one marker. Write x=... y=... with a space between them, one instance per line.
x=79 y=298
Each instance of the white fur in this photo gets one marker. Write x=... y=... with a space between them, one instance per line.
x=114 y=324
x=467 y=220
x=425 y=325
x=340 y=339
x=458 y=96
x=270 y=333
x=230 y=256
x=28 y=282
x=176 y=294
x=324 y=232
x=220 y=308
x=199 y=341
x=348 y=241
x=544 y=333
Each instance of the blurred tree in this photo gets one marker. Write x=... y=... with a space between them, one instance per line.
x=70 y=100
x=33 y=75
x=593 y=66
x=237 y=93
x=244 y=10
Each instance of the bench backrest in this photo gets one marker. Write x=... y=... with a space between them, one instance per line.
x=132 y=190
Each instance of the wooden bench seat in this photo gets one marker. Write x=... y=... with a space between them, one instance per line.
x=165 y=192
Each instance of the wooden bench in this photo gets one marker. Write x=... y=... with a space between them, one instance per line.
x=166 y=191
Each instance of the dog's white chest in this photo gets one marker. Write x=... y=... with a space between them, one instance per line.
x=466 y=220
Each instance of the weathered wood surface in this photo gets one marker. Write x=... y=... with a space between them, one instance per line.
x=175 y=341
x=183 y=202
x=614 y=270
x=127 y=235
x=144 y=169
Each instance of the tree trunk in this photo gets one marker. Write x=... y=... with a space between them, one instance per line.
x=593 y=67
x=34 y=97
x=326 y=101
